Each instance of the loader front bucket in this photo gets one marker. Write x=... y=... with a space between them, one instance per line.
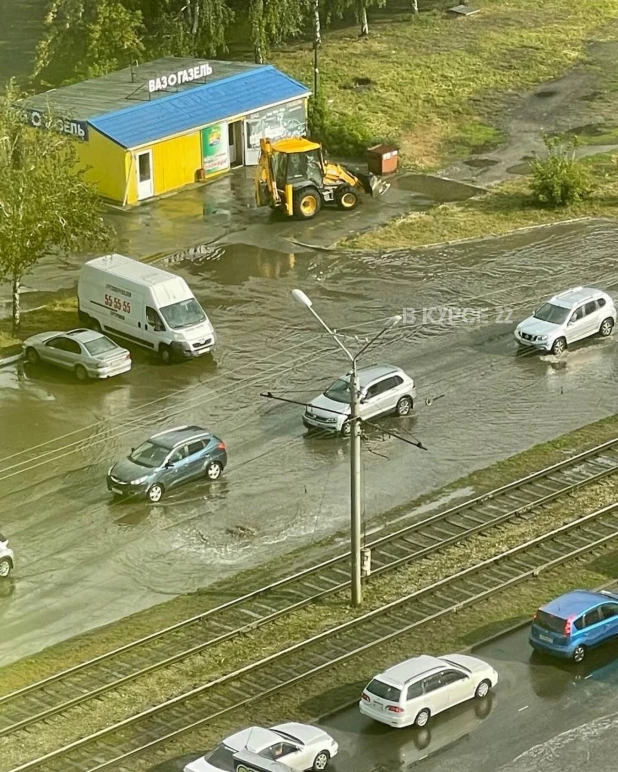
x=373 y=185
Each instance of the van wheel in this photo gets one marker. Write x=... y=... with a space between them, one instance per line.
x=579 y=654
x=84 y=318
x=81 y=374
x=155 y=493
x=166 y=355
x=422 y=718
x=32 y=356
x=94 y=325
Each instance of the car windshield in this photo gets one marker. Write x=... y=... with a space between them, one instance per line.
x=339 y=391
x=549 y=622
x=222 y=757
x=149 y=454
x=183 y=314
x=551 y=313
x=100 y=346
x=386 y=692
x=287 y=736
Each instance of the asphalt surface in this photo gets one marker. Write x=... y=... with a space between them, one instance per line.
x=545 y=716
x=84 y=561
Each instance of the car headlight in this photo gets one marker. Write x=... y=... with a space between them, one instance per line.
x=139 y=480
x=541 y=337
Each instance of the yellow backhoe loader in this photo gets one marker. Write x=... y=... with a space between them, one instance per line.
x=293 y=177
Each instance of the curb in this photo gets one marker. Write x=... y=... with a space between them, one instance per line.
x=467 y=650
x=10 y=360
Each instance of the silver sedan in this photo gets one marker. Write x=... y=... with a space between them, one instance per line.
x=86 y=353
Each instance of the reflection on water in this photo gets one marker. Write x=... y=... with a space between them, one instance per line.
x=232 y=264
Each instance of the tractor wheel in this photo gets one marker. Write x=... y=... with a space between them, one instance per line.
x=307 y=203
x=346 y=198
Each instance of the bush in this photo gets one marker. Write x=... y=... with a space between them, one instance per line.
x=560 y=179
x=343 y=135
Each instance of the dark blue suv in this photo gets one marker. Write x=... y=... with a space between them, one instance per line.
x=168 y=459
x=573 y=623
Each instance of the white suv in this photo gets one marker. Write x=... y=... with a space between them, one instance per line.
x=384 y=389
x=575 y=314
x=7 y=558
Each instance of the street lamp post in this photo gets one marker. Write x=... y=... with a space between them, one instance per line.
x=355 y=445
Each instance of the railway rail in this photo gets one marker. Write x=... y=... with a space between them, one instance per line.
x=117 y=745
x=41 y=700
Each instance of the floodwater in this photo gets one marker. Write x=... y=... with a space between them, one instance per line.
x=85 y=561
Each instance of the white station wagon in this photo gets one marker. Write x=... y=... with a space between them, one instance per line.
x=413 y=691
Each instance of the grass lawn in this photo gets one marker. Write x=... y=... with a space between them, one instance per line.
x=57 y=315
x=437 y=82
x=496 y=213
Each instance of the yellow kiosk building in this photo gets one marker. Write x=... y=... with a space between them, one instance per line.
x=152 y=128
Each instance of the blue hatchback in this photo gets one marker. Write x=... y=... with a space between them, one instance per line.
x=573 y=623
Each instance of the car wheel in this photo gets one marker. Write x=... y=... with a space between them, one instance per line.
x=422 y=718
x=607 y=325
x=166 y=354
x=5 y=567
x=482 y=690
x=404 y=406
x=346 y=429
x=155 y=493
x=213 y=470
x=559 y=347
x=32 y=356
x=579 y=654
x=81 y=374
x=321 y=761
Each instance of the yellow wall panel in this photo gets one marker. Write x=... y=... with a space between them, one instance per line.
x=108 y=162
x=175 y=162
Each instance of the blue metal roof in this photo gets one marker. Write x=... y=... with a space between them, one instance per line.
x=243 y=93
x=575 y=602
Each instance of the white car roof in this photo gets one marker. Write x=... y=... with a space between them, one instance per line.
x=254 y=738
x=411 y=668
x=576 y=295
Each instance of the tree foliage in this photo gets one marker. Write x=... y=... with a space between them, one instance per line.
x=560 y=178
x=273 y=21
x=46 y=205
x=87 y=38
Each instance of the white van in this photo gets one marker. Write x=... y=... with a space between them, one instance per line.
x=145 y=305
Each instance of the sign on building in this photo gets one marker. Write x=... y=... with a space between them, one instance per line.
x=276 y=123
x=215 y=155
x=173 y=79
x=62 y=125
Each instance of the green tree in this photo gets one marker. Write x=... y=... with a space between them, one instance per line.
x=186 y=27
x=559 y=179
x=87 y=38
x=273 y=21
x=45 y=204
x=338 y=8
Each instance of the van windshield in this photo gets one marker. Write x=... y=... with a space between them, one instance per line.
x=386 y=692
x=183 y=314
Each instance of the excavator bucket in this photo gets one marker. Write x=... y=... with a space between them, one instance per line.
x=372 y=185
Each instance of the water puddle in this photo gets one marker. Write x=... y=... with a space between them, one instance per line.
x=436 y=188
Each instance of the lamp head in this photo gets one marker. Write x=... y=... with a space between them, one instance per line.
x=300 y=297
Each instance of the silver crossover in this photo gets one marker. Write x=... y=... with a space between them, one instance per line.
x=384 y=389
x=570 y=316
x=86 y=353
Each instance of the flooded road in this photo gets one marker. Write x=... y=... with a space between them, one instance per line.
x=85 y=561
